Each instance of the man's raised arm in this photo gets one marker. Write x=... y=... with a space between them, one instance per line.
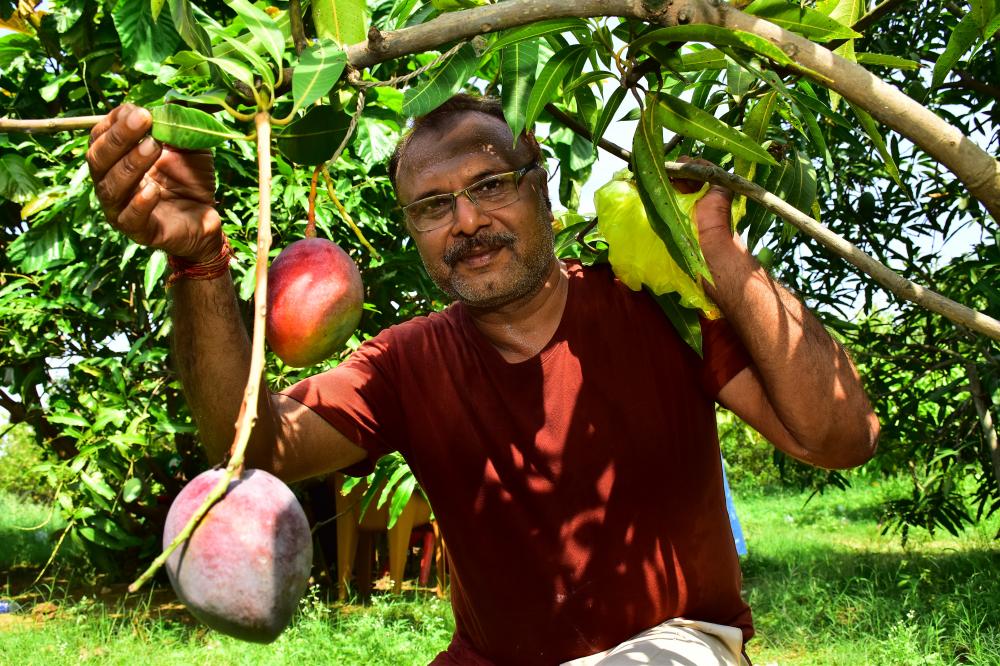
x=802 y=392
x=165 y=199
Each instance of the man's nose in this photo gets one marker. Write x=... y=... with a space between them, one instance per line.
x=469 y=217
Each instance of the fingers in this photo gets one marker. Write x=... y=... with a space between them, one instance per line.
x=119 y=156
x=134 y=218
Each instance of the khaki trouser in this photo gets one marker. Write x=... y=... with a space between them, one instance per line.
x=677 y=641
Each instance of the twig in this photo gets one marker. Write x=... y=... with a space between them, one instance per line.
x=347 y=216
x=248 y=410
x=49 y=125
x=875 y=269
x=572 y=123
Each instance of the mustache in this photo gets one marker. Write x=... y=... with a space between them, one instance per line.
x=484 y=240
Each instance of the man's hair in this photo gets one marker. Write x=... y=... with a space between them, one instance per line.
x=440 y=117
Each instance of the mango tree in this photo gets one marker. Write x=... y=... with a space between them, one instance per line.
x=814 y=141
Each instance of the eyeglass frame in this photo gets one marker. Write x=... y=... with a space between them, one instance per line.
x=519 y=175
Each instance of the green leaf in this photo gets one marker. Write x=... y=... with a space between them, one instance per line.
x=755 y=127
x=314 y=138
x=441 y=83
x=318 y=70
x=146 y=42
x=793 y=180
x=343 y=21
x=97 y=485
x=517 y=71
x=533 y=30
x=155 y=7
x=962 y=39
x=214 y=97
x=587 y=79
x=250 y=57
x=704 y=59
x=883 y=60
x=608 y=113
x=17 y=179
x=235 y=69
x=190 y=30
x=719 y=36
x=189 y=129
x=43 y=247
x=684 y=118
x=797 y=18
x=397 y=475
x=132 y=489
x=155 y=268
x=555 y=70
x=400 y=498
x=871 y=129
x=686 y=321
x=654 y=184
x=262 y=27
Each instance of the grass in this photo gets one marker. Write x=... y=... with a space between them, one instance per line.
x=825 y=586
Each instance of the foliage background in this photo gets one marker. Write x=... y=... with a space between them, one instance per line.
x=84 y=357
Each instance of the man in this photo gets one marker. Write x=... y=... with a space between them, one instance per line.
x=563 y=432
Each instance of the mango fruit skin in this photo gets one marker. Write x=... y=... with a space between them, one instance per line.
x=314 y=301
x=247 y=563
x=638 y=256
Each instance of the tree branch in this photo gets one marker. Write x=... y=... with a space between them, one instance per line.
x=49 y=125
x=984 y=408
x=572 y=123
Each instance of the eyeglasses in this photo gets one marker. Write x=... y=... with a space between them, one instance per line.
x=488 y=194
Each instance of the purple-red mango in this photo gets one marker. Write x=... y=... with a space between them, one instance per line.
x=314 y=301
x=245 y=567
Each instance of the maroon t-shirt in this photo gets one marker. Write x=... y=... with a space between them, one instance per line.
x=580 y=491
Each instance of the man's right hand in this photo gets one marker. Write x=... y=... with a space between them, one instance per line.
x=156 y=195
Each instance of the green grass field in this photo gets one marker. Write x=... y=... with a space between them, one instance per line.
x=825 y=586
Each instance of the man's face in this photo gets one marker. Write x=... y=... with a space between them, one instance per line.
x=484 y=258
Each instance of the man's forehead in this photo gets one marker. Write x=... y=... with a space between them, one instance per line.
x=470 y=133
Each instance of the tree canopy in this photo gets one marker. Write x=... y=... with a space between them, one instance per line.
x=84 y=352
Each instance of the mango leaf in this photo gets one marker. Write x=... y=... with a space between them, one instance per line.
x=190 y=129
x=235 y=69
x=155 y=268
x=962 y=39
x=155 y=7
x=250 y=57
x=441 y=83
x=132 y=489
x=397 y=475
x=555 y=70
x=793 y=180
x=214 y=97
x=313 y=138
x=797 y=18
x=190 y=30
x=685 y=320
x=654 y=184
x=757 y=121
x=97 y=485
x=738 y=81
x=343 y=21
x=719 y=36
x=704 y=59
x=318 y=70
x=607 y=113
x=688 y=120
x=517 y=71
x=524 y=33
x=262 y=27
x=871 y=129
x=845 y=12
x=884 y=60
x=587 y=79
x=146 y=42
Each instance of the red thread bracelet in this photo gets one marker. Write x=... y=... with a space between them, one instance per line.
x=184 y=269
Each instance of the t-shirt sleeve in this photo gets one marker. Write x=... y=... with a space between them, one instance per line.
x=724 y=355
x=359 y=399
